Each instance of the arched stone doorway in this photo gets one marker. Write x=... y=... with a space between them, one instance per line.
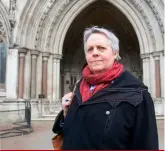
x=103 y=14
x=53 y=38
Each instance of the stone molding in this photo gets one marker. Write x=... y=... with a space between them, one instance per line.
x=3 y=33
x=145 y=56
x=22 y=50
x=157 y=53
x=12 y=9
x=157 y=15
x=56 y=17
x=34 y=52
x=163 y=52
x=62 y=6
x=41 y=22
x=145 y=17
x=57 y=56
x=12 y=20
x=4 y=19
x=45 y=54
x=22 y=54
x=158 y=100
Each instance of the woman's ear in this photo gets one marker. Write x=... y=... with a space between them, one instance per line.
x=116 y=54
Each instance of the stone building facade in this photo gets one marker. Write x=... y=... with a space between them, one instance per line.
x=41 y=48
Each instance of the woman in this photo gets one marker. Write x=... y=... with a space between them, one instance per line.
x=110 y=108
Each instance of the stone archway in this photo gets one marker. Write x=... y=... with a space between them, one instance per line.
x=45 y=32
x=148 y=29
x=147 y=33
x=46 y=29
x=145 y=40
x=103 y=14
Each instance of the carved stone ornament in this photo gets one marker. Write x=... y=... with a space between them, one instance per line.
x=12 y=9
x=149 y=26
x=145 y=56
x=56 y=17
x=2 y=32
x=157 y=53
x=156 y=14
x=45 y=54
x=23 y=50
x=57 y=56
x=34 y=52
x=42 y=21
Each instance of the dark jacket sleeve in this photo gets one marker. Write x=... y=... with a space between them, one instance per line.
x=145 y=135
x=58 y=124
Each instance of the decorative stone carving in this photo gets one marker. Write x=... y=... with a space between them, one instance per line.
x=35 y=52
x=145 y=56
x=57 y=15
x=157 y=15
x=23 y=50
x=57 y=56
x=12 y=9
x=2 y=33
x=157 y=54
x=46 y=54
x=41 y=23
x=140 y=9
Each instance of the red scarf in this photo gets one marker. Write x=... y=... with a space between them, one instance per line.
x=99 y=80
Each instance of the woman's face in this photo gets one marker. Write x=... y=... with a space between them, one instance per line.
x=99 y=54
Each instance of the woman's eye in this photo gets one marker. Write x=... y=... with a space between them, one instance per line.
x=101 y=48
x=90 y=49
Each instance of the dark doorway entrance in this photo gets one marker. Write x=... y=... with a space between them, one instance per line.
x=102 y=14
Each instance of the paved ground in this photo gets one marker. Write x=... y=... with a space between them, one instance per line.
x=41 y=136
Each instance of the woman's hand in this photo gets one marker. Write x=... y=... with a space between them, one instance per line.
x=66 y=101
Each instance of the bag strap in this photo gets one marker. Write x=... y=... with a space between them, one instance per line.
x=75 y=86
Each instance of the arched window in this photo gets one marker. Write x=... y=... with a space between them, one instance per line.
x=3 y=50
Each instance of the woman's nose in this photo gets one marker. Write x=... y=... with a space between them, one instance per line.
x=95 y=51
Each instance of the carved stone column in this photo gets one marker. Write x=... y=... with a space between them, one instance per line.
x=50 y=78
x=22 y=52
x=27 y=75
x=34 y=55
x=44 y=72
x=159 y=82
x=156 y=56
x=56 y=76
x=12 y=69
x=146 y=70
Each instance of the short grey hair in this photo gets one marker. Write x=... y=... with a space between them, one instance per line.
x=114 y=41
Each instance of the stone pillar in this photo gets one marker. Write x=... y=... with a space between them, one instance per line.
x=146 y=70
x=163 y=74
x=12 y=69
x=56 y=76
x=159 y=82
x=34 y=55
x=156 y=56
x=39 y=75
x=45 y=73
x=22 y=52
x=50 y=79
x=157 y=77
x=27 y=75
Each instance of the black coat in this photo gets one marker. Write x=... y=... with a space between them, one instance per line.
x=120 y=116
